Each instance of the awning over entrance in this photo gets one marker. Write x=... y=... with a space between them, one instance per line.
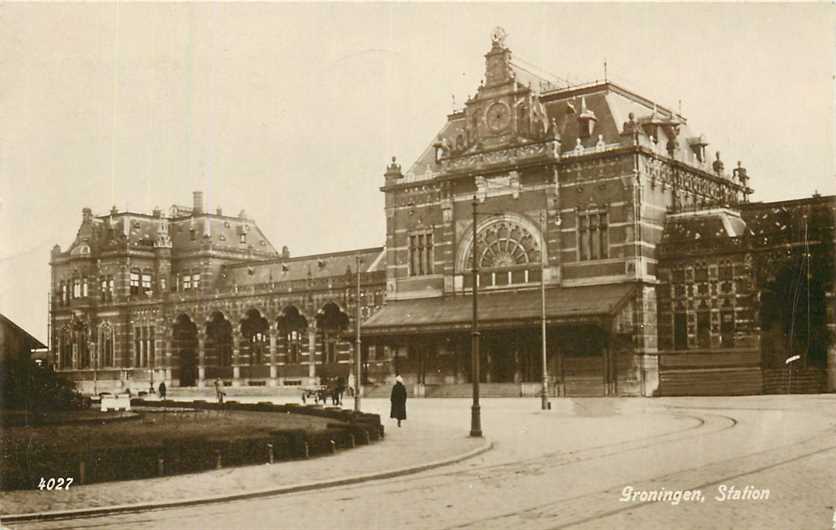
x=498 y=310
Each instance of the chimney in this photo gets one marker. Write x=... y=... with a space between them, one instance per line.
x=197 y=208
x=285 y=252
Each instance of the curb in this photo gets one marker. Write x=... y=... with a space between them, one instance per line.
x=307 y=486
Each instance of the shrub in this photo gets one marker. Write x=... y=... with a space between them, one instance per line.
x=27 y=386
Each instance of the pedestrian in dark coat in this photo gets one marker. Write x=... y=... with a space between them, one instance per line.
x=398 y=401
x=162 y=390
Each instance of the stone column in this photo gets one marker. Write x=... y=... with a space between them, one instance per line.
x=644 y=337
x=236 y=369
x=831 y=352
x=201 y=358
x=312 y=351
x=273 y=336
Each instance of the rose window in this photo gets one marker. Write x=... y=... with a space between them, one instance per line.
x=506 y=244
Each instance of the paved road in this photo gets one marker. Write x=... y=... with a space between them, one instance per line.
x=570 y=467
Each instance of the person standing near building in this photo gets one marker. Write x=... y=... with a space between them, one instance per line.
x=398 y=400
x=162 y=390
x=219 y=390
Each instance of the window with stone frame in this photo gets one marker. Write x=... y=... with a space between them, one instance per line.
x=196 y=280
x=85 y=287
x=147 y=283
x=680 y=330
x=258 y=348
x=330 y=351
x=727 y=326
x=293 y=339
x=704 y=327
x=186 y=282
x=106 y=288
x=105 y=358
x=134 y=282
x=144 y=346
x=139 y=354
x=420 y=254
x=76 y=287
x=593 y=235
x=726 y=271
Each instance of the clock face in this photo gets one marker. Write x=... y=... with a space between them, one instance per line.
x=498 y=116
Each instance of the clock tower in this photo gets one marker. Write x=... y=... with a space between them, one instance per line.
x=503 y=111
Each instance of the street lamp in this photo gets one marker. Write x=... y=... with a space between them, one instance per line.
x=357 y=360
x=475 y=410
x=544 y=398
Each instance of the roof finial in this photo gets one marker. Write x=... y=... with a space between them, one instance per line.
x=605 y=69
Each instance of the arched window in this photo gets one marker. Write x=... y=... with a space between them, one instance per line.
x=105 y=357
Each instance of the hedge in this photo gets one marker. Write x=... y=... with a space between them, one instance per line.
x=188 y=455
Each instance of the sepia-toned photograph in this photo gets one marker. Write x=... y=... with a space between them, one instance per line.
x=417 y=266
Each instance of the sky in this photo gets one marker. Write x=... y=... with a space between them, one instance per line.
x=291 y=111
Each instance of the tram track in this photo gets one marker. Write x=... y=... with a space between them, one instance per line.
x=595 y=499
x=562 y=458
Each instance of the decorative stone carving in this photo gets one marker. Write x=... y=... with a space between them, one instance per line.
x=501 y=156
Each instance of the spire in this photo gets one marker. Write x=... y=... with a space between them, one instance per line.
x=498 y=60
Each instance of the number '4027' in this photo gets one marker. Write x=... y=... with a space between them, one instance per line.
x=59 y=483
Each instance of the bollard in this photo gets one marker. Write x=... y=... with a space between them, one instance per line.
x=218 y=459
x=307 y=450
x=333 y=447
x=270 y=455
x=352 y=441
x=161 y=466
x=81 y=472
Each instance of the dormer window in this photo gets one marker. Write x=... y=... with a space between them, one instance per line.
x=243 y=238
x=586 y=121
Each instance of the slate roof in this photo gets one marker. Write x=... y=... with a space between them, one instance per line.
x=290 y=269
x=611 y=106
x=137 y=230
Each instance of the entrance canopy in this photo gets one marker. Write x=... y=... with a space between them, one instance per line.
x=499 y=310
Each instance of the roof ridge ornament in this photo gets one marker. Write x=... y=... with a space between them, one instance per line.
x=498 y=36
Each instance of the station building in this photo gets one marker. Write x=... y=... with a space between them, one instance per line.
x=592 y=207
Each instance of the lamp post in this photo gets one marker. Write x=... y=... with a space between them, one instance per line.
x=475 y=410
x=357 y=360
x=544 y=397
